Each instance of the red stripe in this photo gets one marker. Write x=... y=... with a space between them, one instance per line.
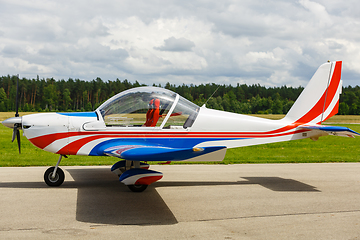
x=328 y=95
x=147 y=180
x=334 y=85
x=333 y=112
x=186 y=135
x=74 y=146
x=45 y=140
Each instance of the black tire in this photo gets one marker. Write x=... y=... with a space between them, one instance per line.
x=137 y=188
x=59 y=177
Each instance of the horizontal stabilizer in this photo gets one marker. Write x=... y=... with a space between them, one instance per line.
x=157 y=153
x=333 y=130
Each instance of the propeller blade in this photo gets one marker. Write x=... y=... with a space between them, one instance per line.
x=17 y=97
x=18 y=140
x=14 y=133
x=15 y=122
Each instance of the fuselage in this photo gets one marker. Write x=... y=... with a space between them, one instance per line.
x=85 y=133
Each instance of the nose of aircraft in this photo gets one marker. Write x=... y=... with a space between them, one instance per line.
x=15 y=123
x=10 y=122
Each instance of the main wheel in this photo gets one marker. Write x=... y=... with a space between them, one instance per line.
x=137 y=188
x=57 y=180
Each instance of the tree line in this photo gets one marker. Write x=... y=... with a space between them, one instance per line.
x=39 y=95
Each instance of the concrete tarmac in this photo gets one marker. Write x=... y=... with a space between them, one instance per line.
x=247 y=201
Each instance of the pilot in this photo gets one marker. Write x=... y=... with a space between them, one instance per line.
x=153 y=114
x=149 y=113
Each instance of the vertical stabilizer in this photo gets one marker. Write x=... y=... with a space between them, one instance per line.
x=320 y=99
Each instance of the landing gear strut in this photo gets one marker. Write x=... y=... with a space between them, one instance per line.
x=54 y=176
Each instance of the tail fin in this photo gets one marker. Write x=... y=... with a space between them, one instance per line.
x=320 y=99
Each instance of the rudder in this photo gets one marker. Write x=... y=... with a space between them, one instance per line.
x=320 y=98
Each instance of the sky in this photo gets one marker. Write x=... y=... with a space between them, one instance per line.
x=271 y=43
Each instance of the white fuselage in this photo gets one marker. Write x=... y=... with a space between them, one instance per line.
x=81 y=134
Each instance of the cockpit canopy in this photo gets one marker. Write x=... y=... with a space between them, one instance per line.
x=148 y=107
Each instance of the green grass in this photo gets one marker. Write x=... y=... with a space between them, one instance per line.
x=326 y=149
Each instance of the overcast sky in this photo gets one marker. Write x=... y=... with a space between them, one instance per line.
x=271 y=43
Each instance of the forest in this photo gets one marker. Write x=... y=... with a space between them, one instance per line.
x=42 y=95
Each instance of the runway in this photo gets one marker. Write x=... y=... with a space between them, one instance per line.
x=246 y=201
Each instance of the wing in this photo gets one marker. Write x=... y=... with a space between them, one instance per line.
x=160 y=153
x=333 y=130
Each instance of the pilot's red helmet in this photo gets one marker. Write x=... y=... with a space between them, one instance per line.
x=157 y=103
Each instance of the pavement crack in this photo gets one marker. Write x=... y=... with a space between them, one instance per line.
x=18 y=229
x=277 y=215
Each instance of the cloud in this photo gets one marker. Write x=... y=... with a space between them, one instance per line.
x=318 y=10
x=12 y=50
x=268 y=42
x=176 y=45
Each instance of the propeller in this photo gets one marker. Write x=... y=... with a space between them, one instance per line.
x=17 y=119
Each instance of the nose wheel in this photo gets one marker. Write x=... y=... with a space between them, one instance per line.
x=54 y=181
x=54 y=176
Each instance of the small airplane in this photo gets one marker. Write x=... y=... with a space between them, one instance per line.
x=147 y=124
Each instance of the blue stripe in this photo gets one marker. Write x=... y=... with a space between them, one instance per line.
x=99 y=149
x=79 y=114
x=332 y=129
x=164 y=153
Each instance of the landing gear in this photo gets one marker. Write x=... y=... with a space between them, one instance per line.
x=54 y=176
x=54 y=181
x=131 y=173
x=137 y=188
x=137 y=179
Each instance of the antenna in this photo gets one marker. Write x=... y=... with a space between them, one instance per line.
x=204 y=105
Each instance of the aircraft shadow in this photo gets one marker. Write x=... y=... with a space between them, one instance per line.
x=101 y=199
x=272 y=183
x=281 y=184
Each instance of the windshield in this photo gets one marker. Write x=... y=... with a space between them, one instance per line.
x=148 y=107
